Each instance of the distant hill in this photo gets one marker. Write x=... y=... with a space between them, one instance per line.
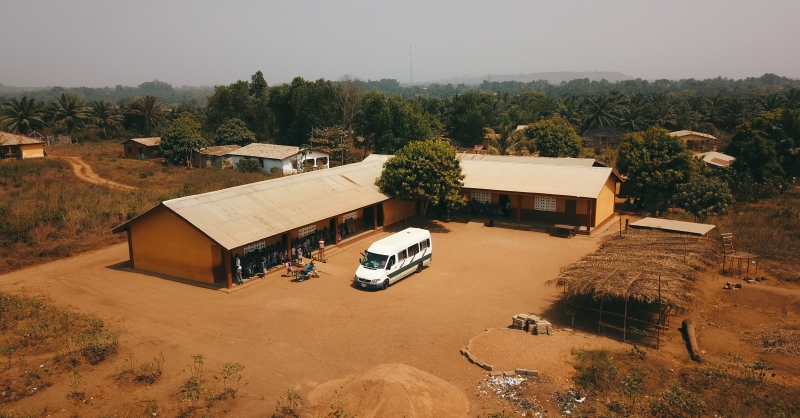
x=552 y=77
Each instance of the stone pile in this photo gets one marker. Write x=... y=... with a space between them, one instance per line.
x=531 y=323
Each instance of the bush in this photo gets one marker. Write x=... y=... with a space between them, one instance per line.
x=248 y=166
x=677 y=402
x=596 y=370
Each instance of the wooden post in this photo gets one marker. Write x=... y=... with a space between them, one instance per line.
x=519 y=209
x=289 y=246
x=660 y=307
x=620 y=227
x=625 y=322
x=336 y=230
x=226 y=262
x=600 y=319
x=130 y=246
x=375 y=217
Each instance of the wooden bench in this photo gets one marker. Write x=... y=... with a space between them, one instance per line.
x=569 y=229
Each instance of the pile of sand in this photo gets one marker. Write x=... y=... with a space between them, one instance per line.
x=389 y=390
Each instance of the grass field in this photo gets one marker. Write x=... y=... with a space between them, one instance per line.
x=47 y=213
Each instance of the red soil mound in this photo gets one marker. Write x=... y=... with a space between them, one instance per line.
x=389 y=390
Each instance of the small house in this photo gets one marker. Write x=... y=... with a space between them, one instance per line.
x=141 y=147
x=18 y=146
x=216 y=157
x=603 y=136
x=695 y=140
x=714 y=158
x=285 y=158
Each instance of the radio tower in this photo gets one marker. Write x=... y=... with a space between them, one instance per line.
x=410 y=67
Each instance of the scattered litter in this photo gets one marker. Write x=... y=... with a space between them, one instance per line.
x=512 y=389
x=569 y=401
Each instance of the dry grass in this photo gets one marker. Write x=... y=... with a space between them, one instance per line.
x=629 y=267
x=47 y=213
x=779 y=338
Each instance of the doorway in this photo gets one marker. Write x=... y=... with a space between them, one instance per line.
x=504 y=201
x=379 y=215
x=369 y=218
x=570 y=207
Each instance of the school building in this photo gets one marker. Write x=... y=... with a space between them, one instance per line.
x=196 y=237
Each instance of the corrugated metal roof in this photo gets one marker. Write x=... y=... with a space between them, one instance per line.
x=219 y=150
x=558 y=180
x=269 y=151
x=535 y=178
x=150 y=142
x=681 y=134
x=7 y=139
x=716 y=158
x=582 y=162
x=675 y=226
x=244 y=214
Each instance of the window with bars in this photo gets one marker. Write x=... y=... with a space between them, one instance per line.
x=306 y=230
x=482 y=197
x=546 y=204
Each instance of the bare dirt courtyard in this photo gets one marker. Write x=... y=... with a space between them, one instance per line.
x=305 y=334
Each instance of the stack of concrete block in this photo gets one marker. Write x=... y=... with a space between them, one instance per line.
x=519 y=321
x=540 y=327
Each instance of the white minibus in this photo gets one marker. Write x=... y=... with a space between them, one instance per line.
x=394 y=257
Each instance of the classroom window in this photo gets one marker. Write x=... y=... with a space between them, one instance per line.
x=482 y=197
x=546 y=204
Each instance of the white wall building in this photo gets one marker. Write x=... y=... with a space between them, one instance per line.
x=285 y=158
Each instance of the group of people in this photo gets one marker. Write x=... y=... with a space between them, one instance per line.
x=277 y=255
x=492 y=210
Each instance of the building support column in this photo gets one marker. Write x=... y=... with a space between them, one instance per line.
x=336 y=231
x=130 y=246
x=519 y=208
x=226 y=262
x=289 y=246
x=374 y=217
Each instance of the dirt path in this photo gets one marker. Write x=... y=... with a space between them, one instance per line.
x=84 y=172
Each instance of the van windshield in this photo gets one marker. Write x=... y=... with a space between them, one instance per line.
x=374 y=261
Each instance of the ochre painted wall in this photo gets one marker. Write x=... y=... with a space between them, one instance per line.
x=605 y=202
x=32 y=150
x=164 y=243
x=396 y=210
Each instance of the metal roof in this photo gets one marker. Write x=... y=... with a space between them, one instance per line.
x=557 y=178
x=582 y=162
x=674 y=226
x=268 y=151
x=244 y=214
x=716 y=158
x=219 y=150
x=7 y=139
x=681 y=134
x=150 y=142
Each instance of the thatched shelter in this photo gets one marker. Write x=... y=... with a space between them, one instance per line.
x=650 y=270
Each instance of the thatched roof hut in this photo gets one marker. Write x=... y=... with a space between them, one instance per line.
x=629 y=268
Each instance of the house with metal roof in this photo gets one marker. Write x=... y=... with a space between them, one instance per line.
x=216 y=156
x=285 y=158
x=141 y=147
x=197 y=237
x=714 y=158
x=19 y=146
x=695 y=140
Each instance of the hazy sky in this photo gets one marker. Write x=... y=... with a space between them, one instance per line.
x=195 y=42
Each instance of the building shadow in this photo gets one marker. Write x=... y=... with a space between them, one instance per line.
x=125 y=266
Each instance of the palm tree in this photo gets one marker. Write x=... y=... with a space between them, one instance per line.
x=771 y=102
x=714 y=110
x=69 y=111
x=21 y=116
x=602 y=111
x=571 y=109
x=662 y=113
x=105 y=115
x=632 y=117
x=150 y=109
x=792 y=98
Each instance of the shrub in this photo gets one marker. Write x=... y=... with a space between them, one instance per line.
x=248 y=165
x=677 y=402
x=596 y=370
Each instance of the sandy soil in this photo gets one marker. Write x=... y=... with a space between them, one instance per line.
x=84 y=172
x=303 y=334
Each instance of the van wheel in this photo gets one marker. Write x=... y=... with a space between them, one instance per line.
x=385 y=285
x=419 y=268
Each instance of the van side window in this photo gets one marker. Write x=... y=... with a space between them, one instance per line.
x=401 y=255
x=424 y=244
x=390 y=263
x=413 y=250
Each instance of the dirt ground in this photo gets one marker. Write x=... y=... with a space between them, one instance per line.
x=305 y=334
x=84 y=172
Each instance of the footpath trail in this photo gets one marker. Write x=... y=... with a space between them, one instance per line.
x=85 y=173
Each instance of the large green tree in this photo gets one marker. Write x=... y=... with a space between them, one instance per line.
x=149 y=112
x=756 y=156
x=467 y=115
x=428 y=172
x=387 y=124
x=554 y=137
x=181 y=138
x=21 y=116
x=69 y=112
x=704 y=197
x=234 y=132
x=105 y=115
x=655 y=163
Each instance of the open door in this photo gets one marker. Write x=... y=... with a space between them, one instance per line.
x=570 y=207
x=379 y=215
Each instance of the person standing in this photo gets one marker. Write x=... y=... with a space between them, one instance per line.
x=321 y=249
x=238 y=270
